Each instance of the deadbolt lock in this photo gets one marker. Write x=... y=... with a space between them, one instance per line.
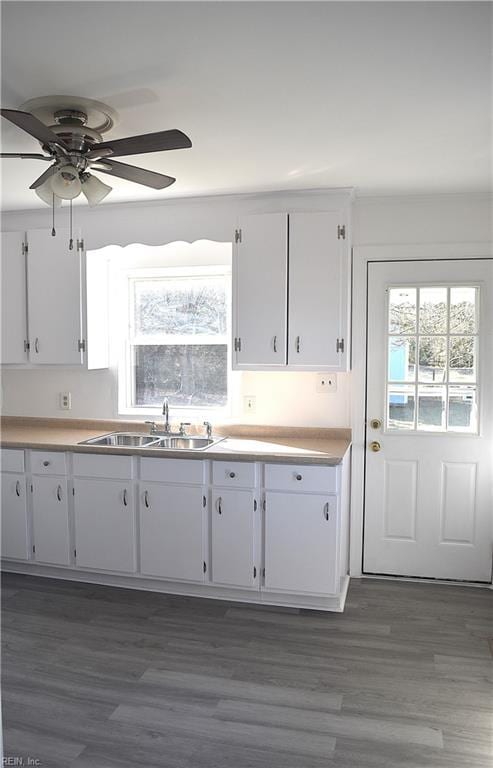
x=375 y=423
x=375 y=446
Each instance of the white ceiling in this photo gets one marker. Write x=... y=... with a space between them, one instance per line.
x=385 y=97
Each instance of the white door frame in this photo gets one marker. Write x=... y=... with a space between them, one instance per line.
x=362 y=256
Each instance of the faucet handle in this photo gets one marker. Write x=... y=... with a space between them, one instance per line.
x=183 y=425
x=208 y=427
x=153 y=426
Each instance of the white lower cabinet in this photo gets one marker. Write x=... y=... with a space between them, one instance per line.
x=172 y=531
x=51 y=543
x=234 y=538
x=14 y=516
x=104 y=514
x=301 y=543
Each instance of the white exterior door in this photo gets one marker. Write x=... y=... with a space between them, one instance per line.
x=172 y=531
x=105 y=525
x=50 y=520
x=260 y=292
x=428 y=504
x=14 y=516
x=13 y=298
x=233 y=538
x=54 y=298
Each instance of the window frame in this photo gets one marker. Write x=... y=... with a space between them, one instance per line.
x=126 y=379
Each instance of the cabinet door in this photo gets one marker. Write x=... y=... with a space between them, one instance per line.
x=104 y=525
x=13 y=298
x=172 y=531
x=14 y=516
x=260 y=291
x=54 y=298
x=233 y=538
x=317 y=285
x=50 y=520
x=301 y=542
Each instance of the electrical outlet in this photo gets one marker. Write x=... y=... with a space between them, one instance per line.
x=65 y=401
x=326 y=382
x=249 y=404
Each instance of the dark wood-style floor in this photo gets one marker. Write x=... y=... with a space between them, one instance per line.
x=96 y=677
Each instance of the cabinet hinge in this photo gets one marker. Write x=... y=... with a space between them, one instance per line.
x=81 y=345
x=340 y=345
x=237 y=235
x=80 y=245
x=34 y=550
x=263 y=505
x=75 y=553
x=341 y=231
x=25 y=248
x=204 y=501
x=27 y=346
x=255 y=505
x=205 y=567
x=73 y=491
x=254 y=571
x=237 y=345
x=32 y=489
x=263 y=573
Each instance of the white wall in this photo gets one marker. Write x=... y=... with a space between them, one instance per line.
x=281 y=398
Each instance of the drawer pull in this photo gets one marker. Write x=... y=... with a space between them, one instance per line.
x=46 y=463
x=125 y=501
x=59 y=493
x=146 y=499
x=299 y=477
x=18 y=488
x=232 y=474
x=275 y=343
x=219 y=505
x=326 y=511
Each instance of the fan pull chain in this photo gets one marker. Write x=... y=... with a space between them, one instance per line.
x=53 y=230
x=71 y=241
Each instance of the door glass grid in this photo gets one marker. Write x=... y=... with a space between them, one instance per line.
x=432 y=358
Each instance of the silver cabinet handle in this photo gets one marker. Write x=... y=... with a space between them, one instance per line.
x=298 y=344
x=18 y=488
x=326 y=510
x=275 y=343
x=125 y=500
x=219 y=505
x=36 y=345
x=146 y=499
x=59 y=493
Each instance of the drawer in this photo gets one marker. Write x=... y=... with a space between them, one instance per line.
x=186 y=471
x=48 y=463
x=234 y=473
x=299 y=477
x=96 y=465
x=12 y=460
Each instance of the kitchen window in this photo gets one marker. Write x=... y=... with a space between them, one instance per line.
x=177 y=344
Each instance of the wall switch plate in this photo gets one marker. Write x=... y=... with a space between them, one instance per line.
x=249 y=404
x=65 y=401
x=326 y=382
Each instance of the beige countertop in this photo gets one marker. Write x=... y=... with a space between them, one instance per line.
x=242 y=443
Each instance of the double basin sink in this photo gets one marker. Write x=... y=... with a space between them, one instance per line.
x=136 y=440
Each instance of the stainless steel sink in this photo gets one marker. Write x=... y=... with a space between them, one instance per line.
x=186 y=443
x=123 y=440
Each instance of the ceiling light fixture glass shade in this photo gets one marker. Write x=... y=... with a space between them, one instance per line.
x=66 y=183
x=45 y=192
x=94 y=189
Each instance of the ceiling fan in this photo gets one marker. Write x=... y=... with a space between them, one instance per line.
x=70 y=130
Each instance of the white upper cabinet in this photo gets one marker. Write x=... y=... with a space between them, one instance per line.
x=292 y=291
x=13 y=298
x=54 y=298
x=260 y=290
x=317 y=274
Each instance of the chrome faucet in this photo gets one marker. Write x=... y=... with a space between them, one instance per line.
x=208 y=427
x=166 y=415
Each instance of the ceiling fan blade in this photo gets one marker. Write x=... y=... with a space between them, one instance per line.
x=147 y=142
x=132 y=173
x=32 y=125
x=44 y=177
x=26 y=155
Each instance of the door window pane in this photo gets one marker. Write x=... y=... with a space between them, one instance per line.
x=402 y=358
x=432 y=358
x=462 y=359
x=401 y=407
x=462 y=409
x=402 y=310
x=432 y=310
x=431 y=408
x=463 y=309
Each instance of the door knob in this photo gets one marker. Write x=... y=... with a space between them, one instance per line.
x=375 y=423
x=375 y=446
